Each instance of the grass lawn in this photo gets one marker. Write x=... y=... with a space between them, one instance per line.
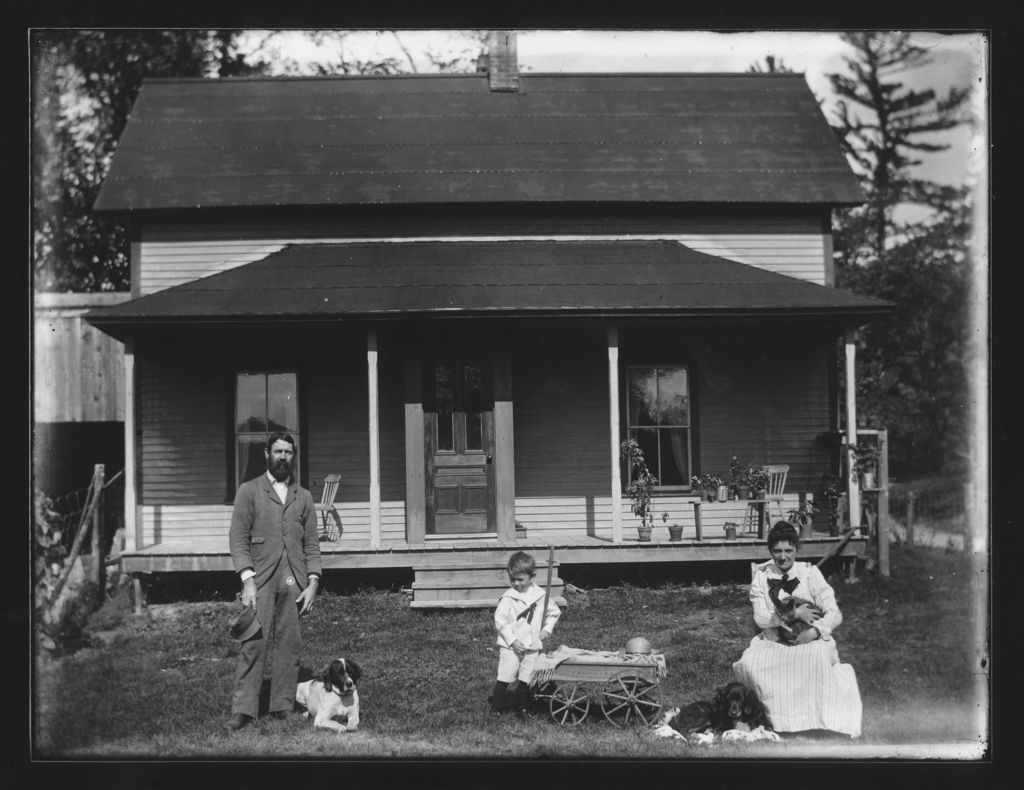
x=161 y=688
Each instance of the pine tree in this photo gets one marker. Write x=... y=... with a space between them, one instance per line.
x=912 y=378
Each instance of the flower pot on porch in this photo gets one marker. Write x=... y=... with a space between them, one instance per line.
x=867 y=480
x=675 y=533
x=730 y=530
x=723 y=493
x=806 y=529
x=644 y=534
x=743 y=492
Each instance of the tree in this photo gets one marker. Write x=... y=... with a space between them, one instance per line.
x=884 y=127
x=912 y=377
x=770 y=67
x=84 y=85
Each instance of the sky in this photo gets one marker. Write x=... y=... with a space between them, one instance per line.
x=957 y=59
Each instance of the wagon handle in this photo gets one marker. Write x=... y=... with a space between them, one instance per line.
x=547 y=589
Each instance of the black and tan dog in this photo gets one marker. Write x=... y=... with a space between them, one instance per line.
x=332 y=695
x=733 y=706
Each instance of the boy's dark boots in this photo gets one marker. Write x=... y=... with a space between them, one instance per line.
x=524 y=698
x=500 y=699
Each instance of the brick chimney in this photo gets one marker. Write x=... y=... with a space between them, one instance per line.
x=503 y=64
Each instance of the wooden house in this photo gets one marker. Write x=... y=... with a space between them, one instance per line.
x=77 y=392
x=461 y=293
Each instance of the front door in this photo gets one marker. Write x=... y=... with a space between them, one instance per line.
x=458 y=408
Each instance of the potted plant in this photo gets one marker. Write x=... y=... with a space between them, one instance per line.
x=710 y=484
x=738 y=479
x=675 y=531
x=697 y=484
x=865 y=462
x=641 y=487
x=757 y=479
x=801 y=517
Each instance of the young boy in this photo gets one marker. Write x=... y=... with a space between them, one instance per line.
x=521 y=628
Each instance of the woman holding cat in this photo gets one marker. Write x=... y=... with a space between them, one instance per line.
x=793 y=664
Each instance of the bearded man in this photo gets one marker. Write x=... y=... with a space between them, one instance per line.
x=276 y=552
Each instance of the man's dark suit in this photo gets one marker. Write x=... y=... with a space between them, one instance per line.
x=280 y=543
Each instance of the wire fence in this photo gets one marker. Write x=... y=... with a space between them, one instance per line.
x=938 y=504
x=69 y=508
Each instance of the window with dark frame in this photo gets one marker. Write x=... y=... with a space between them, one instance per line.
x=265 y=402
x=658 y=418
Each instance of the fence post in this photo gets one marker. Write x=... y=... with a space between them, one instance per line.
x=910 y=518
x=99 y=518
x=95 y=491
x=883 y=502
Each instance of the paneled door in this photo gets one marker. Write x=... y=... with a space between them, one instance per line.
x=458 y=408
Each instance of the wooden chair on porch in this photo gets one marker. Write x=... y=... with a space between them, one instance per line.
x=330 y=521
x=759 y=510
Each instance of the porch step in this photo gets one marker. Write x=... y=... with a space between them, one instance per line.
x=462 y=584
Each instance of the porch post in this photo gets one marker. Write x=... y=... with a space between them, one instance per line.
x=613 y=430
x=415 y=492
x=371 y=370
x=852 y=485
x=132 y=539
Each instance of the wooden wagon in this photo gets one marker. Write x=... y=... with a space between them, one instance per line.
x=626 y=691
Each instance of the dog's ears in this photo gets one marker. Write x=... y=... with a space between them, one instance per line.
x=719 y=697
x=353 y=669
x=324 y=676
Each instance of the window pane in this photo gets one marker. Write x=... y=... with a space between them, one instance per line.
x=674 y=466
x=673 y=400
x=643 y=395
x=251 y=403
x=443 y=379
x=251 y=461
x=472 y=399
x=283 y=408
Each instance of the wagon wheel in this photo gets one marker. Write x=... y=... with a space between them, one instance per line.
x=569 y=704
x=628 y=698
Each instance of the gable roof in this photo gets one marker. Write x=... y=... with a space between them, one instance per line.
x=415 y=139
x=381 y=280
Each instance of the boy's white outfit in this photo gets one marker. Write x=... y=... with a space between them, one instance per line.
x=518 y=616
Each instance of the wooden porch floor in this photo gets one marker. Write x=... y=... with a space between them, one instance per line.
x=578 y=550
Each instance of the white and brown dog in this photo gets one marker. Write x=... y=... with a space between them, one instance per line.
x=332 y=695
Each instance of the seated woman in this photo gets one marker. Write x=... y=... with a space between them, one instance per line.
x=799 y=679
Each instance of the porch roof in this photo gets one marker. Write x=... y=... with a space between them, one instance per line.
x=417 y=139
x=391 y=280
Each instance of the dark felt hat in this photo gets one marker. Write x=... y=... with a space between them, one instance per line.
x=245 y=624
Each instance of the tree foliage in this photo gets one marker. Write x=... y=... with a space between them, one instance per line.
x=84 y=85
x=912 y=377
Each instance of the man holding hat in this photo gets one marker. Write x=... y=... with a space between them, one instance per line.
x=276 y=551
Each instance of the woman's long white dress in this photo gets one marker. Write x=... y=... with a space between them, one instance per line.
x=804 y=687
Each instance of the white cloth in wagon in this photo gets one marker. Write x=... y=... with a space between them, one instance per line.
x=548 y=663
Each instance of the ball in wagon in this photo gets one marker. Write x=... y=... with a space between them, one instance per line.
x=638 y=645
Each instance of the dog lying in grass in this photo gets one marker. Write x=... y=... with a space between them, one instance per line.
x=332 y=695
x=733 y=706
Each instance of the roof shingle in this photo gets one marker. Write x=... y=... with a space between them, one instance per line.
x=696 y=138
x=392 y=280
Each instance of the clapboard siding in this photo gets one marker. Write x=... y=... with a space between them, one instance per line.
x=182 y=444
x=78 y=370
x=338 y=424
x=557 y=517
x=423 y=221
x=545 y=517
x=171 y=256
x=185 y=524
x=767 y=410
x=560 y=382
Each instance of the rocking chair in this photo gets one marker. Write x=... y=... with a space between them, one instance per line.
x=330 y=521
